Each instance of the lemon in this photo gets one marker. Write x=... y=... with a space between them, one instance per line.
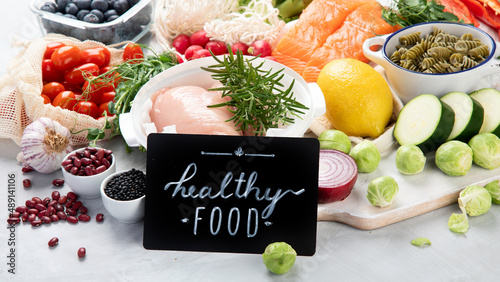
x=358 y=99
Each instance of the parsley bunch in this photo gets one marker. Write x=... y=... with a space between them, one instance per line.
x=410 y=12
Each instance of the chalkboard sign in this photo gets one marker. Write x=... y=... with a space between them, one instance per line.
x=230 y=193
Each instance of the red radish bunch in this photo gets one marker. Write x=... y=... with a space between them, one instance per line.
x=199 y=45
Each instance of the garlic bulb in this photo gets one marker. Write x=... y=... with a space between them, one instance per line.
x=44 y=144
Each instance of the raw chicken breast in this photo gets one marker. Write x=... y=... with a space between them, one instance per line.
x=186 y=108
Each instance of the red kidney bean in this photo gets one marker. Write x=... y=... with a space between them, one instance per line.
x=105 y=162
x=15 y=214
x=54 y=217
x=72 y=219
x=77 y=162
x=46 y=201
x=53 y=242
x=13 y=220
x=46 y=219
x=69 y=203
x=31 y=217
x=99 y=217
x=89 y=171
x=71 y=211
x=100 y=154
x=52 y=203
x=21 y=209
x=72 y=196
x=62 y=200
x=36 y=222
x=68 y=167
x=61 y=215
x=83 y=209
x=77 y=204
x=26 y=183
x=86 y=161
x=37 y=200
x=33 y=211
x=67 y=161
x=58 y=182
x=40 y=207
x=86 y=153
x=58 y=207
x=100 y=169
x=25 y=216
x=41 y=214
x=26 y=169
x=84 y=217
x=74 y=170
x=30 y=203
x=50 y=211
x=81 y=252
x=55 y=195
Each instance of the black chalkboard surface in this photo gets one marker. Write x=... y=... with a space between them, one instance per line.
x=230 y=193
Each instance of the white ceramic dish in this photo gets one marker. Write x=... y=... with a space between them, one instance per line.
x=87 y=186
x=124 y=211
x=190 y=73
x=408 y=84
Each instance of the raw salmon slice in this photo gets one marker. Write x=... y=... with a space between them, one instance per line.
x=347 y=41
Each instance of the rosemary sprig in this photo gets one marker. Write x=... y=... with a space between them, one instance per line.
x=259 y=100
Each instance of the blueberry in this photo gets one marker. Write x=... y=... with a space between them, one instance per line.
x=70 y=16
x=121 y=6
x=132 y=2
x=91 y=18
x=61 y=5
x=99 y=15
x=109 y=13
x=83 y=4
x=101 y=5
x=72 y=9
x=81 y=14
x=49 y=7
x=112 y=18
x=111 y=3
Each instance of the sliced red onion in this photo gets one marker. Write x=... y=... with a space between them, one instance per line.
x=337 y=175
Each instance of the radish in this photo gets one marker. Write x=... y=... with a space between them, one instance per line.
x=201 y=53
x=260 y=47
x=240 y=46
x=217 y=47
x=181 y=43
x=190 y=51
x=199 y=38
x=337 y=175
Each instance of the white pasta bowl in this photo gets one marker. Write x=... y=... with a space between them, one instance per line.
x=190 y=74
x=408 y=83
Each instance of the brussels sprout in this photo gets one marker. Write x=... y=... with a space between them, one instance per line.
x=382 y=191
x=486 y=150
x=421 y=241
x=334 y=139
x=494 y=190
x=458 y=223
x=410 y=159
x=454 y=158
x=475 y=199
x=279 y=257
x=366 y=155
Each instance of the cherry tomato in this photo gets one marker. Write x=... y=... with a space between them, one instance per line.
x=76 y=88
x=105 y=69
x=67 y=57
x=93 y=55
x=87 y=108
x=50 y=73
x=108 y=96
x=51 y=89
x=107 y=55
x=132 y=51
x=51 y=47
x=78 y=74
x=65 y=100
x=92 y=92
x=104 y=107
x=46 y=99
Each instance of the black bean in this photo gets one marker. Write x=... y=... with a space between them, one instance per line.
x=129 y=185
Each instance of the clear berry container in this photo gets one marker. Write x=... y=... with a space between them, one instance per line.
x=130 y=26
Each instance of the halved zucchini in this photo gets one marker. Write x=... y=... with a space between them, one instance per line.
x=424 y=121
x=468 y=115
x=489 y=98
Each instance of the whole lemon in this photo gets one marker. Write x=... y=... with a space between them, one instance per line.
x=358 y=99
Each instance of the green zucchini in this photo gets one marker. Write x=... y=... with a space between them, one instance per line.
x=489 y=98
x=424 y=121
x=468 y=115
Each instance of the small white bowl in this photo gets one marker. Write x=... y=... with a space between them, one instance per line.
x=130 y=211
x=87 y=186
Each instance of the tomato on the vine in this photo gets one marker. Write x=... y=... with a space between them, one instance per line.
x=108 y=96
x=66 y=57
x=51 y=47
x=87 y=108
x=50 y=73
x=65 y=100
x=92 y=92
x=46 y=99
x=51 y=89
x=78 y=74
x=95 y=56
x=132 y=51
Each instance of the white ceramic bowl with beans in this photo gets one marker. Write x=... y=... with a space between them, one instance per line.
x=86 y=186
x=129 y=211
x=407 y=84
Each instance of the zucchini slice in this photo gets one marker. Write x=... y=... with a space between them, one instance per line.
x=468 y=115
x=424 y=121
x=489 y=98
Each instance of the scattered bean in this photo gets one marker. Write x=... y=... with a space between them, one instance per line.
x=26 y=183
x=54 y=241
x=27 y=169
x=36 y=222
x=56 y=195
x=99 y=217
x=81 y=252
x=37 y=200
x=61 y=215
x=58 y=182
x=30 y=203
x=84 y=217
x=72 y=219
x=13 y=220
x=62 y=200
x=72 y=196
x=83 y=209
x=21 y=209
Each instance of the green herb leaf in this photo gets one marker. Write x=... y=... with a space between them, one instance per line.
x=410 y=12
x=420 y=241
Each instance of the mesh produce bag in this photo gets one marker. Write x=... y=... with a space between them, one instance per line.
x=20 y=89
